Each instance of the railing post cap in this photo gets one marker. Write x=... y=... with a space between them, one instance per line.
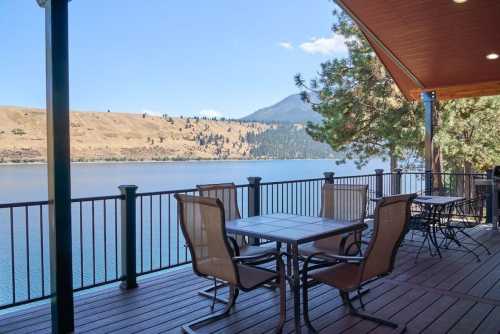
x=127 y=187
x=398 y=170
x=329 y=174
x=379 y=171
x=254 y=179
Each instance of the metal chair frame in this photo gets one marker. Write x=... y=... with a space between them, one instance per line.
x=234 y=289
x=360 y=260
x=203 y=190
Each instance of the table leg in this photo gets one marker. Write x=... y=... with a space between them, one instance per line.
x=289 y=260
x=278 y=249
x=436 y=218
x=296 y=287
x=435 y=240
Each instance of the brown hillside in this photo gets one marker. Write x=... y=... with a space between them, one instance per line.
x=98 y=136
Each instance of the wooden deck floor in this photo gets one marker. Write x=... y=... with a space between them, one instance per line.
x=453 y=295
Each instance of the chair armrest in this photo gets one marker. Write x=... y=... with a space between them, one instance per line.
x=347 y=259
x=256 y=257
x=336 y=258
x=235 y=246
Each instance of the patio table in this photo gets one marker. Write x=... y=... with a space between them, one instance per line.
x=293 y=230
x=435 y=209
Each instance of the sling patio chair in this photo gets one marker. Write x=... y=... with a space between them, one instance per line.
x=465 y=216
x=227 y=194
x=351 y=273
x=344 y=202
x=202 y=221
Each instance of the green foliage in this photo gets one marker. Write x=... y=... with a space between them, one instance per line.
x=287 y=141
x=18 y=132
x=470 y=133
x=365 y=115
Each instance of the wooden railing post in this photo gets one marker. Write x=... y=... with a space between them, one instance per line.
x=379 y=183
x=397 y=176
x=128 y=235
x=254 y=200
x=329 y=177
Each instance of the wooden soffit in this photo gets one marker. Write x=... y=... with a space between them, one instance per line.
x=434 y=45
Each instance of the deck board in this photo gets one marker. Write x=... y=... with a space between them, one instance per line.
x=455 y=294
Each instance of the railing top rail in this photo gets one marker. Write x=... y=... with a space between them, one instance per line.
x=292 y=181
x=73 y=200
x=166 y=192
x=443 y=173
x=22 y=204
x=355 y=176
x=96 y=198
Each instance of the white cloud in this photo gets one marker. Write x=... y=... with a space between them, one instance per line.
x=210 y=113
x=325 y=45
x=286 y=45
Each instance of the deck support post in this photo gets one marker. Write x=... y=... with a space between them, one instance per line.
x=58 y=163
x=329 y=177
x=254 y=200
x=128 y=236
x=379 y=183
x=429 y=102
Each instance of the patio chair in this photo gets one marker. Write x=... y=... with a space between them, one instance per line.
x=343 y=202
x=202 y=221
x=350 y=273
x=227 y=194
x=466 y=215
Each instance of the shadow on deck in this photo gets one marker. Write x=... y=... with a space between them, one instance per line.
x=455 y=294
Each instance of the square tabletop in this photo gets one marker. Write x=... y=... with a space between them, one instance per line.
x=437 y=200
x=290 y=228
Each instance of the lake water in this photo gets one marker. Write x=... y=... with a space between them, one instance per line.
x=29 y=182
x=24 y=241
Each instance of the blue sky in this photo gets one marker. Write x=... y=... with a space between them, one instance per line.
x=190 y=57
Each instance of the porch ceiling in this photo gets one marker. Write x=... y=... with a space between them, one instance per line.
x=434 y=45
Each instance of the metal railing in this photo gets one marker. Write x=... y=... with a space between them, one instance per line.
x=24 y=248
x=119 y=237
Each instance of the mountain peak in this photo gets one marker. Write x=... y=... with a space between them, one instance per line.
x=289 y=110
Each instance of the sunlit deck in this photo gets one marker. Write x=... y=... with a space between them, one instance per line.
x=455 y=294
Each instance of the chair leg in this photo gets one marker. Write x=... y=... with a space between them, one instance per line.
x=362 y=314
x=421 y=246
x=191 y=327
x=282 y=291
x=384 y=322
x=305 y=305
x=459 y=244
x=211 y=293
x=476 y=241
x=360 y=297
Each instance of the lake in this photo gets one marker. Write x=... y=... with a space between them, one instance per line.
x=28 y=182
x=24 y=241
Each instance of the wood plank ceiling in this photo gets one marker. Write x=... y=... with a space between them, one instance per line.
x=434 y=45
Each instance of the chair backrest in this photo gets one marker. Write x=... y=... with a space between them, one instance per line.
x=344 y=201
x=226 y=193
x=392 y=216
x=204 y=229
x=470 y=212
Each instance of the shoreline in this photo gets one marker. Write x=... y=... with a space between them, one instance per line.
x=97 y=162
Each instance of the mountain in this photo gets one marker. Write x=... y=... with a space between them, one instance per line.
x=289 y=110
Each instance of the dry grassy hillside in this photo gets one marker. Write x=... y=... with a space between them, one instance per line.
x=121 y=136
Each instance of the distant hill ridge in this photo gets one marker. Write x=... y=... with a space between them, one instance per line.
x=112 y=136
x=289 y=110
